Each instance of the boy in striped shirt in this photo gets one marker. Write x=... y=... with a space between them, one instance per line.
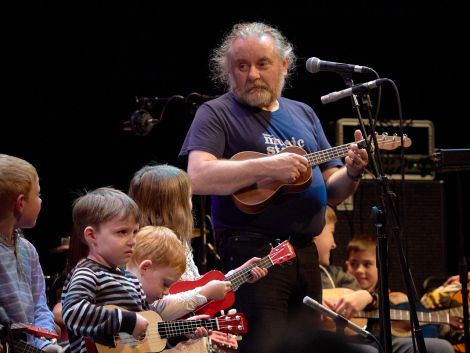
x=106 y=219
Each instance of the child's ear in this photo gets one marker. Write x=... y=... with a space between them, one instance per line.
x=19 y=204
x=90 y=235
x=144 y=266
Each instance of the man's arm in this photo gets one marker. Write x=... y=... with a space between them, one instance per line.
x=339 y=185
x=210 y=175
x=342 y=182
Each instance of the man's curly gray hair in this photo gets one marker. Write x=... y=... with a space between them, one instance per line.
x=220 y=59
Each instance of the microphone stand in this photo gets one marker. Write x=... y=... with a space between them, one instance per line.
x=381 y=250
x=202 y=228
x=388 y=199
x=463 y=268
x=206 y=247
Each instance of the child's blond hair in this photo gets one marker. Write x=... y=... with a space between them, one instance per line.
x=161 y=246
x=163 y=193
x=16 y=177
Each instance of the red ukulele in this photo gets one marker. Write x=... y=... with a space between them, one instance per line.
x=223 y=342
x=33 y=330
x=22 y=346
x=281 y=253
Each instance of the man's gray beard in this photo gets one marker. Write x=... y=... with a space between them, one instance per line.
x=263 y=100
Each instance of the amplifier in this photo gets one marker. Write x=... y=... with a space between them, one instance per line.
x=417 y=164
x=452 y=160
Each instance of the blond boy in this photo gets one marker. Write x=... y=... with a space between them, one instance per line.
x=22 y=284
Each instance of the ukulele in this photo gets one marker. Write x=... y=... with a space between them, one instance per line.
x=278 y=255
x=400 y=318
x=256 y=197
x=33 y=330
x=457 y=299
x=20 y=346
x=223 y=342
x=159 y=331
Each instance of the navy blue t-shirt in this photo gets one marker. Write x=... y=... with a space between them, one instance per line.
x=224 y=127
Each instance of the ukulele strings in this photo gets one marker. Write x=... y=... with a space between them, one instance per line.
x=184 y=327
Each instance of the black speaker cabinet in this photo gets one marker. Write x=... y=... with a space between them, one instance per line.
x=422 y=217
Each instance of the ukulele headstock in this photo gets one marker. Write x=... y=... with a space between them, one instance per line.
x=282 y=253
x=234 y=324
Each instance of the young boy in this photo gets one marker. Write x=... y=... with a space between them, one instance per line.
x=22 y=284
x=361 y=263
x=158 y=261
x=106 y=219
x=341 y=291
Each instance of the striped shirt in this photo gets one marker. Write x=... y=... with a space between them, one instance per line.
x=89 y=287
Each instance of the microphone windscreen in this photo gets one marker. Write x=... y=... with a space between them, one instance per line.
x=313 y=65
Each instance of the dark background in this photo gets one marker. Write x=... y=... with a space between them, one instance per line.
x=73 y=71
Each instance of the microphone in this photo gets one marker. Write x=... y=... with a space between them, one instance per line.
x=141 y=122
x=335 y=316
x=356 y=89
x=315 y=65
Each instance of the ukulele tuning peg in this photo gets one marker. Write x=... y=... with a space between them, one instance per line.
x=277 y=241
